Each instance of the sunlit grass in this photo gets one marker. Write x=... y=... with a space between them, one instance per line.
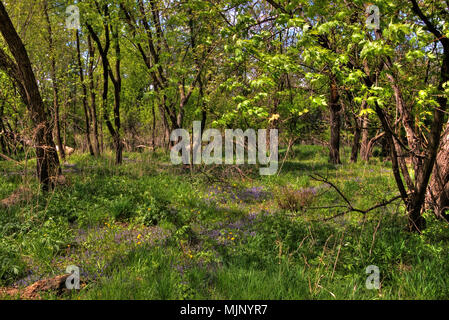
x=150 y=230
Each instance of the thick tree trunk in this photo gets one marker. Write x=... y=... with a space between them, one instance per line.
x=437 y=197
x=22 y=72
x=364 y=150
x=416 y=221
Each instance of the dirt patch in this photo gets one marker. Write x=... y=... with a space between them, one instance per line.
x=32 y=292
x=20 y=195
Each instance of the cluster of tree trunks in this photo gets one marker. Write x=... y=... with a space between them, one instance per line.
x=108 y=29
x=54 y=81
x=423 y=154
x=429 y=186
x=171 y=110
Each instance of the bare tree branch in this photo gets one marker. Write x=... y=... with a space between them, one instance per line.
x=349 y=206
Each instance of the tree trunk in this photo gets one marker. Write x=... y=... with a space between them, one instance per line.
x=203 y=106
x=83 y=86
x=335 y=122
x=93 y=103
x=22 y=72
x=437 y=197
x=364 y=151
x=3 y=133
x=54 y=80
x=356 y=141
x=153 y=131
x=116 y=81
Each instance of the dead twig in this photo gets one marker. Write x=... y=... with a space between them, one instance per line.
x=349 y=206
x=9 y=159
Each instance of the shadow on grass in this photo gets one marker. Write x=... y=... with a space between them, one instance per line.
x=306 y=168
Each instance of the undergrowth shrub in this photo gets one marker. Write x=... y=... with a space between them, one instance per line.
x=295 y=200
x=122 y=208
x=11 y=265
x=153 y=212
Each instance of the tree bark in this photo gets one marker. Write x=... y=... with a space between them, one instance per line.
x=356 y=141
x=428 y=164
x=335 y=122
x=93 y=103
x=116 y=81
x=54 y=80
x=84 y=88
x=437 y=197
x=23 y=75
x=3 y=140
x=364 y=151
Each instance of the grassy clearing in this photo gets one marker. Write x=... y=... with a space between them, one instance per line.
x=149 y=230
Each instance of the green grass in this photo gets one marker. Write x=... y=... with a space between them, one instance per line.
x=149 y=230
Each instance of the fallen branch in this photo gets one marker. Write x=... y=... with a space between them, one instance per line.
x=211 y=178
x=349 y=206
x=8 y=158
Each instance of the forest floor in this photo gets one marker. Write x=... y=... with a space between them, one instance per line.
x=150 y=230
